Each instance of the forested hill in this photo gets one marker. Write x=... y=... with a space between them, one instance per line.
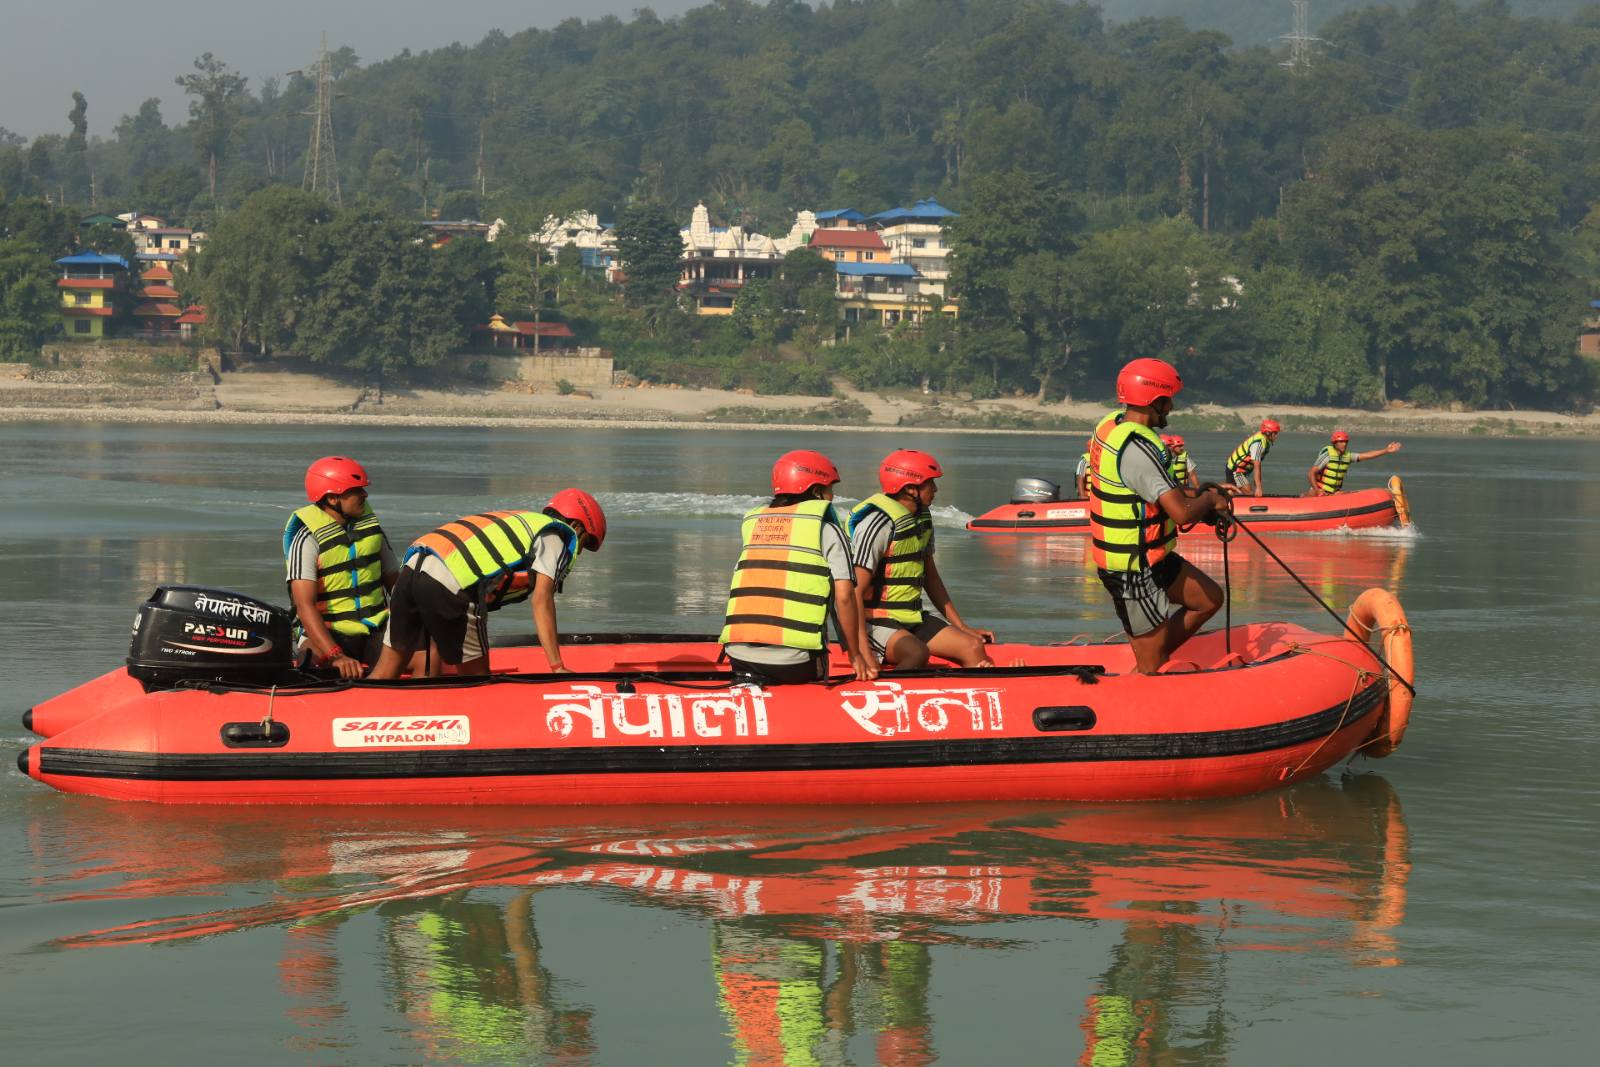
x=762 y=109
x=1264 y=21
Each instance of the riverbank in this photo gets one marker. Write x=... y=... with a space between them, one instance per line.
x=248 y=397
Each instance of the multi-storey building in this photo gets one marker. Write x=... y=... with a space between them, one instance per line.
x=719 y=260
x=156 y=306
x=915 y=236
x=91 y=287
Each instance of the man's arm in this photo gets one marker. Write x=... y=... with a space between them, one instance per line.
x=853 y=630
x=544 y=621
x=323 y=646
x=1390 y=448
x=939 y=595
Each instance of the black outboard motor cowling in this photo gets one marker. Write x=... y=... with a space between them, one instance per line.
x=190 y=633
x=1035 y=491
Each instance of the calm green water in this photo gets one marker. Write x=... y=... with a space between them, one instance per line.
x=1437 y=906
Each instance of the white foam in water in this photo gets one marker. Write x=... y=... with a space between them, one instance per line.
x=733 y=505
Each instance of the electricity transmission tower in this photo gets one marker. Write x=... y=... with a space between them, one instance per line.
x=1300 y=41
x=322 y=170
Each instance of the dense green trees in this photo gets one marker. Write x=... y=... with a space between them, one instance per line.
x=1412 y=195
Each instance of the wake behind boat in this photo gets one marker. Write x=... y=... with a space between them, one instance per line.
x=211 y=710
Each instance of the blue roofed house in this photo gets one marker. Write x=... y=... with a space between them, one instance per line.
x=91 y=287
x=884 y=294
x=845 y=218
x=915 y=236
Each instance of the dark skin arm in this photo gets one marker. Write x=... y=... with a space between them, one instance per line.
x=304 y=594
x=1185 y=506
x=544 y=622
x=851 y=627
x=940 y=597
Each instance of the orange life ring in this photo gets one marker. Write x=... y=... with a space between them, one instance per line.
x=1378 y=609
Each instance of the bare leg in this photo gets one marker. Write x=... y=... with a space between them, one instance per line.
x=471 y=666
x=960 y=647
x=906 y=650
x=1199 y=598
x=390 y=660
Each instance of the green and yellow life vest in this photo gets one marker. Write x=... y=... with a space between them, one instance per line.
x=1334 y=470
x=1127 y=532
x=1180 y=467
x=350 y=590
x=1243 y=451
x=494 y=548
x=781 y=586
x=897 y=585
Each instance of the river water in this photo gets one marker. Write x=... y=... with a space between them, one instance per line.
x=1436 y=906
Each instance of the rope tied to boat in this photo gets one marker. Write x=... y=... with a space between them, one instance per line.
x=266 y=720
x=1362 y=674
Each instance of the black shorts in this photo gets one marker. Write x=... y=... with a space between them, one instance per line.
x=420 y=610
x=813 y=670
x=881 y=631
x=1141 y=597
x=364 y=647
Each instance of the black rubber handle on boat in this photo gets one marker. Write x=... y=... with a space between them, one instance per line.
x=1312 y=593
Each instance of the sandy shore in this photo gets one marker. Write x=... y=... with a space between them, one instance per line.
x=272 y=397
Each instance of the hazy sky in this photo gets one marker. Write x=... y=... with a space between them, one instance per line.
x=121 y=52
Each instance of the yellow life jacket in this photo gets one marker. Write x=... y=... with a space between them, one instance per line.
x=494 y=548
x=1127 y=532
x=781 y=586
x=1180 y=467
x=897 y=585
x=350 y=591
x=1334 y=470
x=1243 y=451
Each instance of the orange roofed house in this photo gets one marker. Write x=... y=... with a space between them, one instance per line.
x=157 y=310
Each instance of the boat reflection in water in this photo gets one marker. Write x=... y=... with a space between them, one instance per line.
x=823 y=920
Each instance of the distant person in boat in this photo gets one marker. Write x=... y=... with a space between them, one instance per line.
x=793 y=567
x=1081 y=476
x=891 y=544
x=1249 y=477
x=340 y=568
x=451 y=578
x=1183 y=471
x=1333 y=462
x=1135 y=508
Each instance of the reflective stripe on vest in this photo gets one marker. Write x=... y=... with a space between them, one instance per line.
x=1127 y=532
x=350 y=591
x=493 y=547
x=1243 y=451
x=1180 y=467
x=1333 y=472
x=897 y=584
x=781 y=586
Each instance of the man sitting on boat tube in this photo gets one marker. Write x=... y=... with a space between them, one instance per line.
x=451 y=578
x=340 y=568
x=1135 y=508
x=1327 y=472
x=891 y=544
x=794 y=565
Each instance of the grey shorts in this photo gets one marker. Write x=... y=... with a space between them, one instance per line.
x=1141 y=597
x=881 y=633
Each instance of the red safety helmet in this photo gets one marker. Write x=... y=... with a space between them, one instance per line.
x=907 y=467
x=1340 y=435
x=798 y=471
x=577 y=505
x=334 y=475
x=1144 y=381
x=1175 y=441
x=1270 y=426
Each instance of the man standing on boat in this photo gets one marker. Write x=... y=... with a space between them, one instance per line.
x=1327 y=473
x=453 y=576
x=794 y=565
x=1135 y=508
x=891 y=537
x=1183 y=471
x=340 y=568
x=1248 y=475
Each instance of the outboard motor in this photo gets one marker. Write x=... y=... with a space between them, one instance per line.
x=1035 y=491
x=190 y=633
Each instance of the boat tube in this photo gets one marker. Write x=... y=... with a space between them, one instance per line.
x=1360 y=509
x=656 y=719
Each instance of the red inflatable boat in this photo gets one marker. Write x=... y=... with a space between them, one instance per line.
x=658 y=720
x=1361 y=509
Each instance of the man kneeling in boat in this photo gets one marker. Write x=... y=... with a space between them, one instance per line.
x=454 y=576
x=340 y=568
x=1327 y=473
x=794 y=564
x=1135 y=508
x=891 y=537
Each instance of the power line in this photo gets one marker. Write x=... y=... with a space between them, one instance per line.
x=1300 y=41
x=322 y=169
